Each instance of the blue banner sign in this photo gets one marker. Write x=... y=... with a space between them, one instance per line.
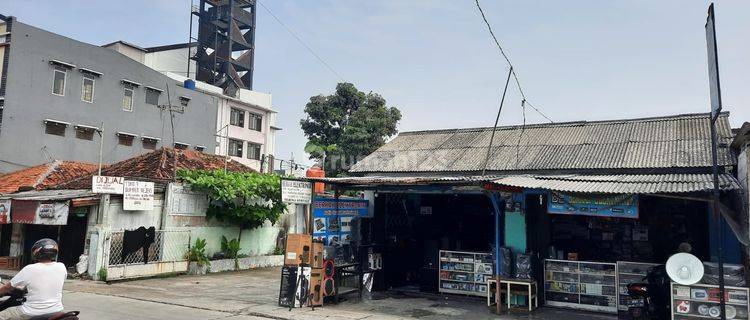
x=599 y=205
x=335 y=226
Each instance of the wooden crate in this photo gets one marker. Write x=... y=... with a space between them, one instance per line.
x=10 y=263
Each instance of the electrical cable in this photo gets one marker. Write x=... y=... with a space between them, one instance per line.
x=289 y=30
x=502 y=52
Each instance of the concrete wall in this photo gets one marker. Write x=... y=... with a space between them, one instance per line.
x=174 y=61
x=131 y=52
x=29 y=100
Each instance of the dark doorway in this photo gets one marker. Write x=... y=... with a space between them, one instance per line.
x=537 y=231
x=73 y=237
x=6 y=231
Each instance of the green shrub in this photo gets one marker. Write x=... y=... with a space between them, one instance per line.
x=198 y=253
x=102 y=274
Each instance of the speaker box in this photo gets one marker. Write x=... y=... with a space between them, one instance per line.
x=329 y=268
x=316 y=287
x=298 y=248
x=329 y=287
x=317 y=255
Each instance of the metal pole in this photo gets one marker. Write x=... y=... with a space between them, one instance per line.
x=190 y=39
x=494 y=128
x=717 y=217
x=101 y=146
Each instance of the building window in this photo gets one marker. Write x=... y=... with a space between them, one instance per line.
x=200 y=148
x=87 y=89
x=237 y=117
x=152 y=96
x=149 y=142
x=125 y=139
x=184 y=101
x=181 y=146
x=58 y=81
x=256 y=122
x=55 y=127
x=253 y=151
x=127 y=98
x=235 y=148
x=85 y=132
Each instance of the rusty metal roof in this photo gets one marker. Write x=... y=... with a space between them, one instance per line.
x=680 y=141
x=622 y=183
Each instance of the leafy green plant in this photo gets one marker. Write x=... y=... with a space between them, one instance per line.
x=231 y=248
x=102 y=274
x=198 y=253
x=244 y=199
x=278 y=251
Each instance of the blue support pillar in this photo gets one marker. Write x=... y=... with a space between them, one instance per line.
x=498 y=206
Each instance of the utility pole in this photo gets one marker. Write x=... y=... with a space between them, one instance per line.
x=101 y=146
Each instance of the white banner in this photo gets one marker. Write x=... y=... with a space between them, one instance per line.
x=293 y=191
x=138 y=195
x=104 y=184
x=5 y=211
x=55 y=213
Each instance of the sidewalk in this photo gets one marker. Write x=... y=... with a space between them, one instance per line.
x=255 y=293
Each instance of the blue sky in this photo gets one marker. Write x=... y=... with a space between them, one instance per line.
x=434 y=60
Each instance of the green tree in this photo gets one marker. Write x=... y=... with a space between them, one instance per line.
x=346 y=125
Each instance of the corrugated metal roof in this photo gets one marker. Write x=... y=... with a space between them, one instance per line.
x=49 y=195
x=622 y=183
x=681 y=141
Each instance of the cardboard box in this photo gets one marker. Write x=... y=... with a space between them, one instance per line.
x=298 y=249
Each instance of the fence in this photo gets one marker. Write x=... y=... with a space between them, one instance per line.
x=133 y=254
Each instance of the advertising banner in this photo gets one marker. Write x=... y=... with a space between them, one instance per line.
x=53 y=213
x=293 y=191
x=331 y=226
x=104 y=184
x=5 y=211
x=138 y=195
x=600 y=205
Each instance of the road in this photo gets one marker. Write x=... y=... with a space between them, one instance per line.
x=103 y=307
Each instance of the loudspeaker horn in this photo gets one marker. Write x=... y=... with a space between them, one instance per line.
x=684 y=268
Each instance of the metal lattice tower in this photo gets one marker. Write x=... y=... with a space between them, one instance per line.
x=225 y=52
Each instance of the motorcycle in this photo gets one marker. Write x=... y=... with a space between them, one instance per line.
x=17 y=297
x=653 y=294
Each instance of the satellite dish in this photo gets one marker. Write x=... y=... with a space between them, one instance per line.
x=684 y=268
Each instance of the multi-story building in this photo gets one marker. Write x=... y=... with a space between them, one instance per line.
x=68 y=100
x=245 y=123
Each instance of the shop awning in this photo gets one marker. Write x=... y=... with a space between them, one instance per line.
x=49 y=195
x=620 y=184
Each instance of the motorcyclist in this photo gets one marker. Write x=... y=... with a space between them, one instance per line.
x=43 y=282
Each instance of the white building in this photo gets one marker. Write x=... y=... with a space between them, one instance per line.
x=246 y=124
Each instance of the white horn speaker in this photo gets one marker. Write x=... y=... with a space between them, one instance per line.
x=684 y=268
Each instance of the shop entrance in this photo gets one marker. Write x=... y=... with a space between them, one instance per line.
x=415 y=227
x=71 y=238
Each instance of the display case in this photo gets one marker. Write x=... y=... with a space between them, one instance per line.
x=581 y=285
x=627 y=273
x=701 y=301
x=463 y=272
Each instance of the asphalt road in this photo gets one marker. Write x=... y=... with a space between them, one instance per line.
x=102 y=307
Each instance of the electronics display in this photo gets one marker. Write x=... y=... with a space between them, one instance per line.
x=627 y=273
x=464 y=272
x=701 y=301
x=581 y=285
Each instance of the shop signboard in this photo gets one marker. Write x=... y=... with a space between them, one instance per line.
x=104 y=184
x=599 y=205
x=335 y=226
x=294 y=191
x=53 y=213
x=138 y=196
x=5 y=211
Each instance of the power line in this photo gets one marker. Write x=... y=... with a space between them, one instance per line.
x=289 y=30
x=513 y=69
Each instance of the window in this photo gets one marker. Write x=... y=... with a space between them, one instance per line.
x=237 y=117
x=256 y=122
x=85 y=132
x=87 y=89
x=152 y=96
x=184 y=101
x=127 y=98
x=200 y=148
x=181 y=146
x=58 y=81
x=54 y=127
x=149 y=142
x=235 y=148
x=125 y=139
x=253 y=151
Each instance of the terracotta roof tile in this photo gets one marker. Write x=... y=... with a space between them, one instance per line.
x=158 y=166
x=45 y=175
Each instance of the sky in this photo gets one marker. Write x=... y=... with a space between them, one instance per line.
x=436 y=62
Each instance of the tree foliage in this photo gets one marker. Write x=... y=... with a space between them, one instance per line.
x=246 y=200
x=346 y=125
